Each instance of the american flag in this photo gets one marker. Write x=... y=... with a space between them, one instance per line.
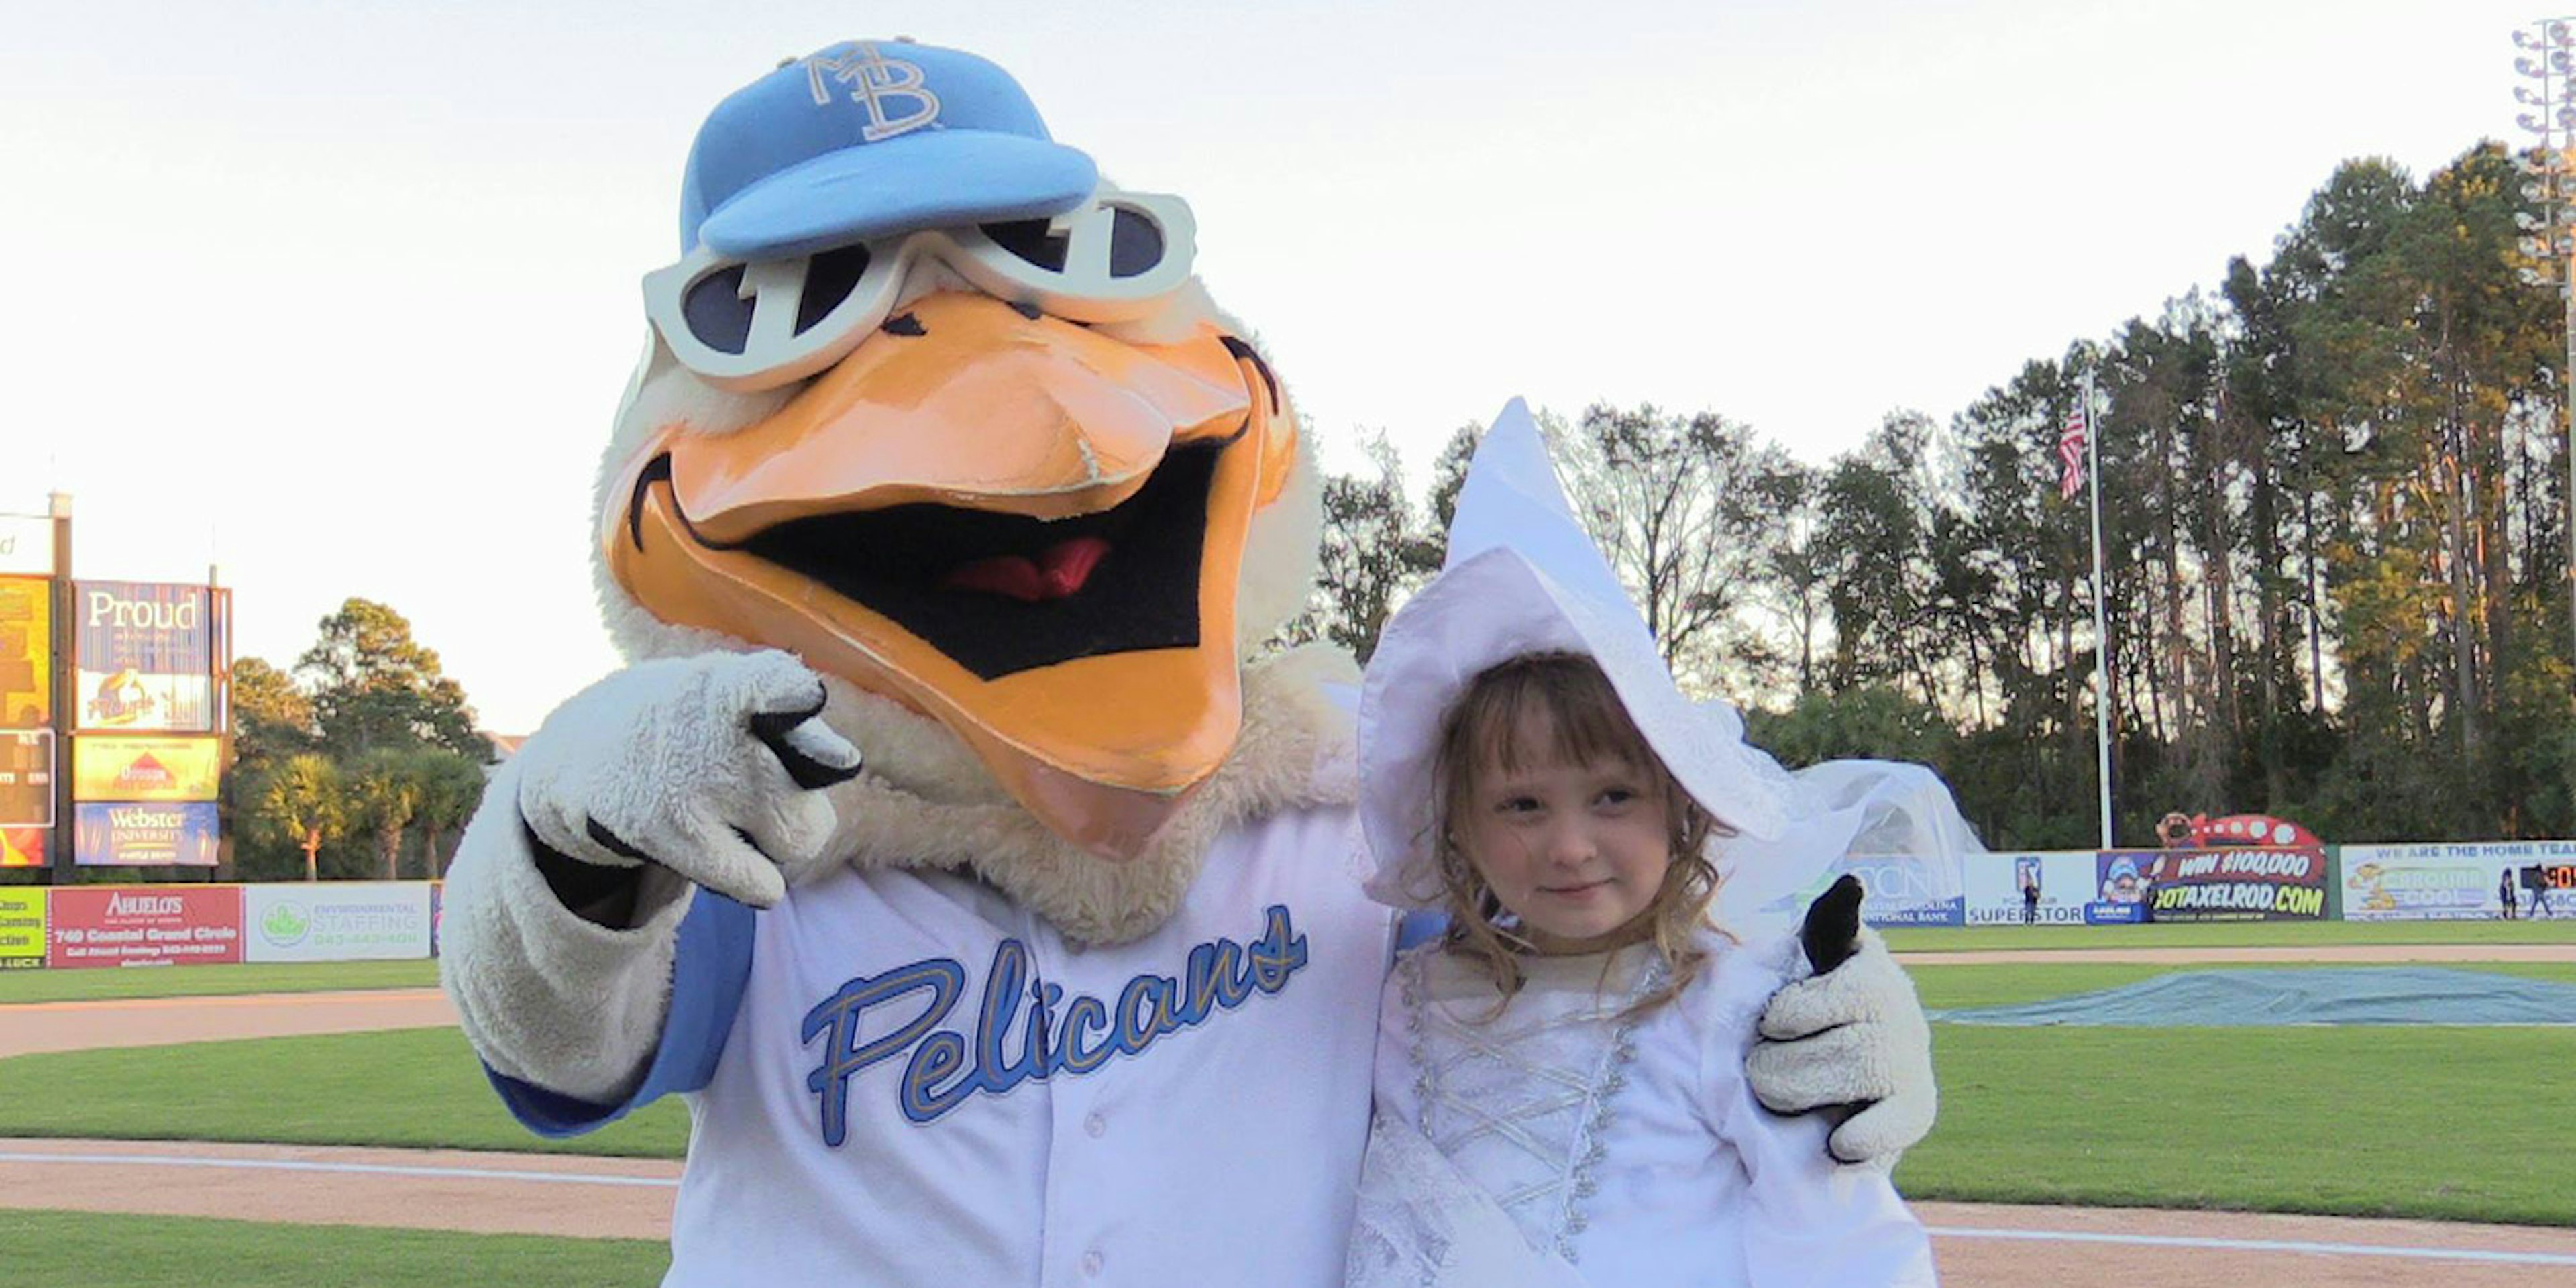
x=2070 y=450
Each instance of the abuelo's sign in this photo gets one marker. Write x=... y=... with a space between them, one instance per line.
x=121 y=767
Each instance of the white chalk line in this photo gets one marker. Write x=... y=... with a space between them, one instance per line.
x=432 y=1172
x=2260 y=1245
x=417 y=1170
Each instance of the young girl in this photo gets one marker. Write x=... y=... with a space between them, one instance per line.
x=1561 y=1094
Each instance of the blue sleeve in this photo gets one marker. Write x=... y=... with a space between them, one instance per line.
x=1420 y=926
x=709 y=967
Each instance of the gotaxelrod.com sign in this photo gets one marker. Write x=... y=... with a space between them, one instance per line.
x=338 y=922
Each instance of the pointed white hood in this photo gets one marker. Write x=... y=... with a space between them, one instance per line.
x=1522 y=576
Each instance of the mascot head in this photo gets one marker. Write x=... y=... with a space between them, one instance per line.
x=933 y=406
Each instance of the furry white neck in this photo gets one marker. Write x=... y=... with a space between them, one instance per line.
x=1296 y=751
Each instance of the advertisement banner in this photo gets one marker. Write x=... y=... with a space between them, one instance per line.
x=146 y=655
x=2222 y=884
x=22 y=927
x=23 y=847
x=2445 y=880
x=26 y=543
x=1897 y=890
x=336 y=922
x=137 y=767
x=2119 y=888
x=26 y=651
x=2065 y=881
x=26 y=778
x=145 y=925
x=145 y=834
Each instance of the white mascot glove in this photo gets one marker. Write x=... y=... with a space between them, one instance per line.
x=710 y=766
x=1850 y=1040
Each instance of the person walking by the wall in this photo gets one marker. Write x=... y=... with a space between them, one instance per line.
x=2504 y=893
x=2536 y=879
x=2030 y=896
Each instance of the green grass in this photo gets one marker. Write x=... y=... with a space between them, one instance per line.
x=2425 y=1122
x=84 y=1250
x=1936 y=939
x=2447 y=1123
x=209 y=981
x=1947 y=987
x=417 y=1088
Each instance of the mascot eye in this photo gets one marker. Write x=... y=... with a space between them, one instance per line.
x=718 y=316
x=1135 y=244
x=829 y=278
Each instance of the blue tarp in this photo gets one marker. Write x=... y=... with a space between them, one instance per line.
x=2352 y=995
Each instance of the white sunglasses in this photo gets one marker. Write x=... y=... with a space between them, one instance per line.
x=744 y=326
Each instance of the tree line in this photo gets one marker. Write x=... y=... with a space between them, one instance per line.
x=2334 y=497
x=362 y=761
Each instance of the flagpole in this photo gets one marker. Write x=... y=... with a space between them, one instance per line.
x=2101 y=633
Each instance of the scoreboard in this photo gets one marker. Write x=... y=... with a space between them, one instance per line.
x=26 y=778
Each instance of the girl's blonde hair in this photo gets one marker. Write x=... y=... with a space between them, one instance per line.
x=1586 y=723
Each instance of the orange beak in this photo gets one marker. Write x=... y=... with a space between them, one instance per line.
x=1021 y=528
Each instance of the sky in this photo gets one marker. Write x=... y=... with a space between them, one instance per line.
x=339 y=295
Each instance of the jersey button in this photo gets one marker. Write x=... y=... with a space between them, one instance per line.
x=1096 y=1125
x=1091 y=1263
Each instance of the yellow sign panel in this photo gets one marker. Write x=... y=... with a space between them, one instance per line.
x=26 y=652
x=22 y=926
x=145 y=767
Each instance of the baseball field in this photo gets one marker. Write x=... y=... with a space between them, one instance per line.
x=326 y=1124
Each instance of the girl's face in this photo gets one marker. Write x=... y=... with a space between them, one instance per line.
x=1577 y=851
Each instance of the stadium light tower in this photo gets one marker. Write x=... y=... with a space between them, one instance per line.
x=2547 y=68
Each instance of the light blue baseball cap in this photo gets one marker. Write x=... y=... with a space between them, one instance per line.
x=869 y=139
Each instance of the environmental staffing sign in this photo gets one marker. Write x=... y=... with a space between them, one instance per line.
x=336 y=921
x=146 y=655
x=145 y=834
x=22 y=927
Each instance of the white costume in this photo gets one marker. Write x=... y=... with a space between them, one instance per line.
x=1618 y=1149
x=1567 y=1138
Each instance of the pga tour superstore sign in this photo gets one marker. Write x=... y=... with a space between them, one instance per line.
x=146 y=655
x=2065 y=880
x=336 y=922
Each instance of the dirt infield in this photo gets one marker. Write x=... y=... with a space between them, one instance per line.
x=167 y=1021
x=1976 y=1244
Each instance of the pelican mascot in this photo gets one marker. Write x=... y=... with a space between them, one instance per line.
x=940 y=451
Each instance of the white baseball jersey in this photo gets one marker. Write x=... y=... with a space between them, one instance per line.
x=924 y=1084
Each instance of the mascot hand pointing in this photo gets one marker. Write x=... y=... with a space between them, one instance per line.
x=711 y=767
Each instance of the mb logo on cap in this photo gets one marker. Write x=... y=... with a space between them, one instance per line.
x=873 y=79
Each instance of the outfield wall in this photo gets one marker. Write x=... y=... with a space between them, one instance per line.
x=87 y=926
x=2439 y=881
